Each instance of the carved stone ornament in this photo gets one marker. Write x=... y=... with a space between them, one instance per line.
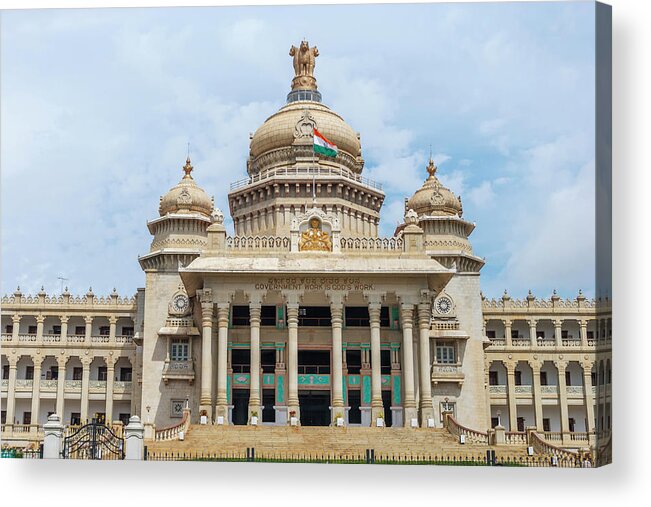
x=305 y=126
x=179 y=305
x=217 y=216
x=411 y=217
x=184 y=198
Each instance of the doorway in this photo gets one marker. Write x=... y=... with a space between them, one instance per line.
x=240 y=406
x=386 y=402
x=315 y=408
x=354 y=400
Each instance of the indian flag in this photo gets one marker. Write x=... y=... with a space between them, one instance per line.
x=323 y=146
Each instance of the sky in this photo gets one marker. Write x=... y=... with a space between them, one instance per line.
x=98 y=106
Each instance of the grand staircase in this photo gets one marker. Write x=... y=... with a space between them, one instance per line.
x=287 y=442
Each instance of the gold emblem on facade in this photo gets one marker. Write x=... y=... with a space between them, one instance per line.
x=315 y=239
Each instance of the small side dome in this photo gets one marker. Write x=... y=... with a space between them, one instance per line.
x=186 y=197
x=433 y=198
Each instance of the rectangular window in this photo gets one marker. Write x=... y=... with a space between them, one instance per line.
x=9 y=328
x=31 y=329
x=75 y=419
x=385 y=318
x=357 y=316
x=241 y=360
x=448 y=407
x=3 y=417
x=102 y=373
x=514 y=334
x=268 y=360
x=494 y=422
x=56 y=330
x=543 y=378
x=490 y=334
x=492 y=378
x=29 y=373
x=593 y=378
x=546 y=425
x=240 y=315
x=268 y=315
x=445 y=353
x=385 y=362
x=518 y=378
x=590 y=335
x=27 y=418
x=520 y=423
x=540 y=334
x=80 y=330
x=5 y=371
x=572 y=424
x=314 y=316
x=354 y=361
x=125 y=374
x=104 y=330
x=180 y=350
x=127 y=331
x=568 y=378
x=52 y=373
x=565 y=334
x=77 y=373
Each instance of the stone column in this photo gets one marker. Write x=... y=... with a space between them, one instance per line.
x=562 y=399
x=15 y=331
x=36 y=390
x=205 y=400
x=558 y=333
x=221 y=408
x=377 y=408
x=134 y=434
x=39 y=328
x=255 y=399
x=110 y=374
x=507 y=333
x=336 y=314
x=11 y=390
x=64 y=335
x=292 y=359
x=61 y=384
x=583 y=326
x=52 y=437
x=510 y=391
x=532 y=335
x=426 y=407
x=406 y=317
x=85 y=385
x=112 y=328
x=537 y=394
x=89 y=328
x=587 y=393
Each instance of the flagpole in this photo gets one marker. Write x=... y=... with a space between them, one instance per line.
x=314 y=173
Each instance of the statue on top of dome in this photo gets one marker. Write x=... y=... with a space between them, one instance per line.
x=304 y=60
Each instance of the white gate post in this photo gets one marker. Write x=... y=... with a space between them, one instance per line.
x=52 y=437
x=134 y=434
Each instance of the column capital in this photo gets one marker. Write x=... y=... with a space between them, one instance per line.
x=205 y=296
x=507 y=322
x=558 y=323
x=13 y=361
x=407 y=315
x=40 y=319
x=424 y=315
x=88 y=319
x=583 y=322
x=532 y=322
x=62 y=361
x=535 y=364
x=336 y=298
x=255 y=311
x=510 y=366
x=292 y=297
x=37 y=360
x=112 y=319
x=587 y=366
x=223 y=312
x=561 y=365
x=374 y=297
x=15 y=318
x=64 y=319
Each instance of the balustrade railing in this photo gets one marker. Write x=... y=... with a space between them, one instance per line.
x=549 y=389
x=472 y=436
x=372 y=244
x=72 y=384
x=521 y=342
x=51 y=338
x=76 y=338
x=123 y=338
x=49 y=385
x=4 y=384
x=268 y=243
x=120 y=386
x=172 y=432
x=6 y=337
x=552 y=436
x=515 y=437
x=546 y=343
x=100 y=338
x=570 y=342
x=97 y=385
x=523 y=389
x=574 y=390
x=540 y=445
x=29 y=337
x=497 y=342
x=22 y=384
x=499 y=389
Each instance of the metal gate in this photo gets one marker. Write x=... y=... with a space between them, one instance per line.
x=93 y=441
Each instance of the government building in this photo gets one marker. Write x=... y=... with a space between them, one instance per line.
x=307 y=317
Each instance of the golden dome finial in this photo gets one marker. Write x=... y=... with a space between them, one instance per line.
x=431 y=167
x=187 y=168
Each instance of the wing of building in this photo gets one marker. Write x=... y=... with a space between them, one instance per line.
x=306 y=315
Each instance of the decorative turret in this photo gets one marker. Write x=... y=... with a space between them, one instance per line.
x=186 y=196
x=433 y=198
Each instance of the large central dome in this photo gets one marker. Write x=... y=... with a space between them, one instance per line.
x=286 y=137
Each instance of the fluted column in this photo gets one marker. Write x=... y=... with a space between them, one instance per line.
x=292 y=358
x=110 y=374
x=223 y=309
x=85 y=385
x=205 y=400
x=407 y=320
x=537 y=394
x=336 y=314
x=61 y=383
x=508 y=340
x=562 y=398
x=510 y=392
x=36 y=388
x=11 y=390
x=255 y=309
x=426 y=407
x=377 y=407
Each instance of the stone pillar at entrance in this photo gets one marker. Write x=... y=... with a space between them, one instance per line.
x=205 y=400
x=336 y=312
x=292 y=361
x=377 y=407
x=221 y=408
x=426 y=407
x=411 y=412
x=255 y=409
